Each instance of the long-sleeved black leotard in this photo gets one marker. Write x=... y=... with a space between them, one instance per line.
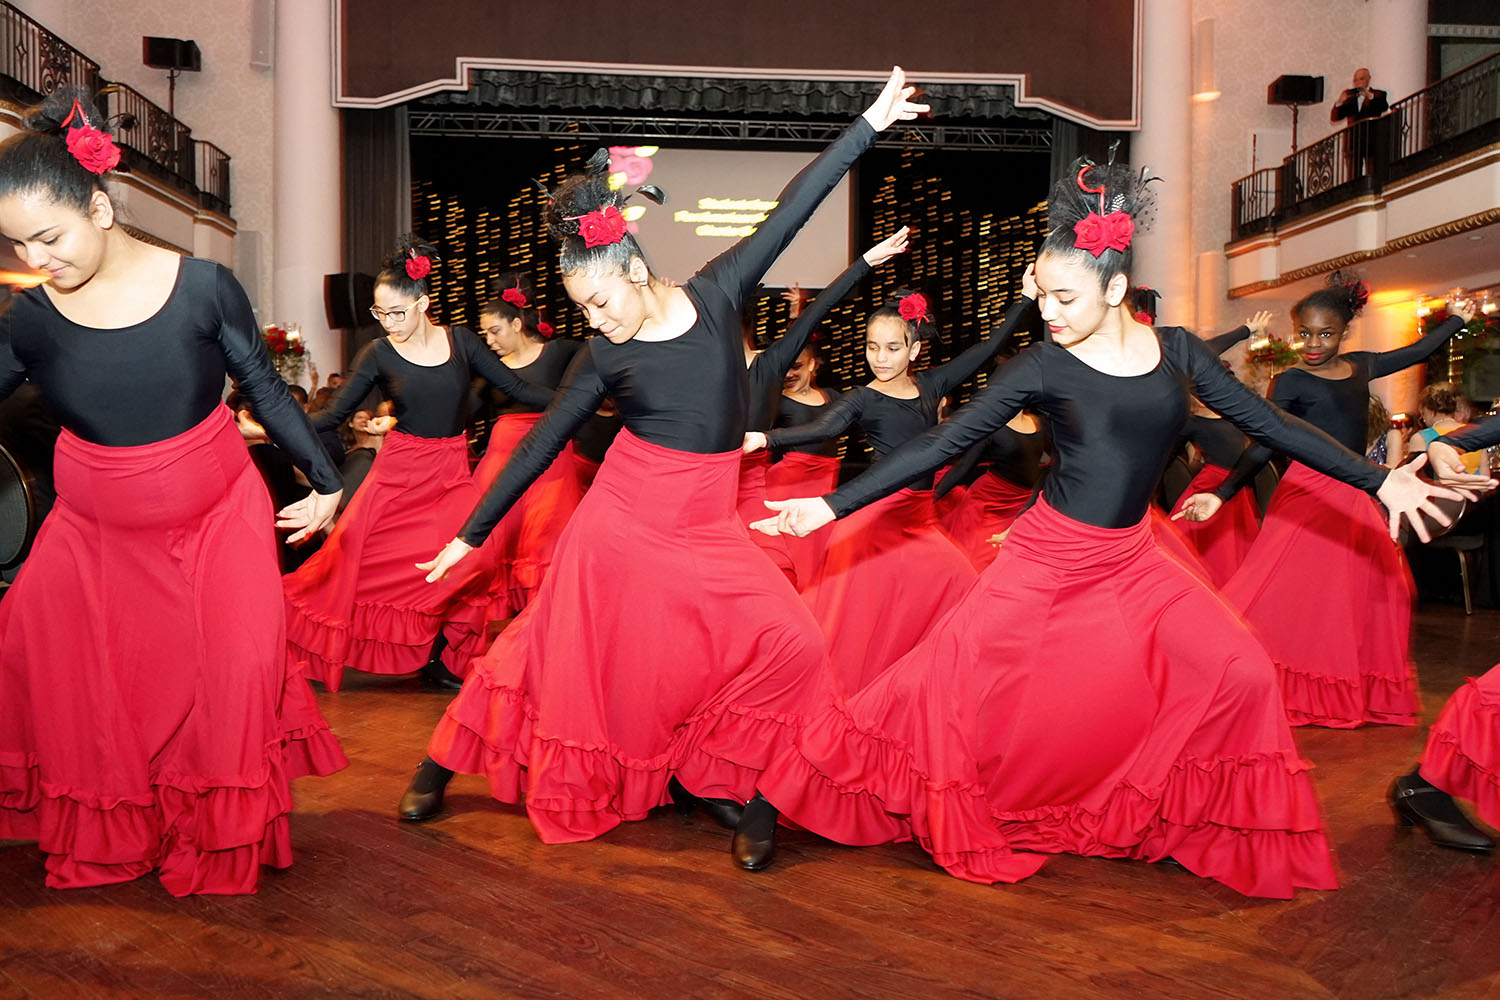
x=1219 y=440
x=769 y=367
x=431 y=401
x=1484 y=434
x=1225 y=341
x=795 y=413
x=1111 y=435
x=889 y=422
x=1008 y=453
x=138 y=384
x=1338 y=406
x=546 y=371
x=689 y=393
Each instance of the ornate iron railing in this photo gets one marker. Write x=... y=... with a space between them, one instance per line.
x=162 y=145
x=1256 y=199
x=34 y=62
x=212 y=176
x=1454 y=107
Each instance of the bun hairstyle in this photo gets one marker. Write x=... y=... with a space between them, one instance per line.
x=1095 y=212
x=42 y=158
x=406 y=270
x=514 y=298
x=1442 y=398
x=909 y=308
x=1344 y=296
x=584 y=215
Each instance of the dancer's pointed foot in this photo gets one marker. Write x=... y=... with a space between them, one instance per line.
x=435 y=675
x=424 y=796
x=1418 y=802
x=754 y=843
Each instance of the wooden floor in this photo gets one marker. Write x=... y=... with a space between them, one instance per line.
x=471 y=905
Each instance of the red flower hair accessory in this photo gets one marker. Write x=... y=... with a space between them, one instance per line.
x=1143 y=317
x=545 y=329
x=418 y=266
x=1097 y=233
x=515 y=297
x=912 y=307
x=602 y=227
x=93 y=149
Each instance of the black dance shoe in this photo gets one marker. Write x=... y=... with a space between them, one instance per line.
x=424 y=796
x=435 y=675
x=754 y=843
x=1420 y=803
x=725 y=812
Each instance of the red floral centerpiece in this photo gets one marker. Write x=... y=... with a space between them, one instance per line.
x=287 y=351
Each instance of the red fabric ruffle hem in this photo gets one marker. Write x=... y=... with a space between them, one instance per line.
x=361 y=602
x=751 y=503
x=147 y=721
x=1089 y=696
x=1224 y=540
x=520 y=548
x=988 y=507
x=1462 y=756
x=673 y=647
x=1345 y=665
x=799 y=474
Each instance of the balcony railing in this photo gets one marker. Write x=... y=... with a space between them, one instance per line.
x=212 y=176
x=1456 y=115
x=34 y=62
x=155 y=143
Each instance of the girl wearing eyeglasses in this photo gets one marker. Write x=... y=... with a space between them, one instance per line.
x=357 y=602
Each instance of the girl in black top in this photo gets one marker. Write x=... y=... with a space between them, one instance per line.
x=994 y=481
x=147 y=721
x=355 y=603
x=804 y=469
x=663 y=645
x=1089 y=694
x=520 y=549
x=1346 y=664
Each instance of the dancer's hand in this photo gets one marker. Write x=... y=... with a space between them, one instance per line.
x=795 y=298
x=795 y=517
x=1199 y=507
x=894 y=103
x=310 y=515
x=453 y=553
x=1446 y=463
x=998 y=540
x=382 y=425
x=1258 y=324
x=1464 y=309
x=1405 y=495
x=754 y=441
x=1028 y=281
x=888 y=248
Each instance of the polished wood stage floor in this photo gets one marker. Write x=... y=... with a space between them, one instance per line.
x=471 y=905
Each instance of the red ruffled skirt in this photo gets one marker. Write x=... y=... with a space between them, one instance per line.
x=1330 y=596
x=662 y=642
x=1224 y=540
x=888 y=573
x=987 y=508
x=1088 y=696
x=797 y=475
x=1462 y=756
x=587 y=469
x=520 y=548
x=146 y=718
x=752 y=507
x=361 y=602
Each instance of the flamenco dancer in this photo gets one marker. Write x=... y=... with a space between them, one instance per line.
x=1089 y=694
x=524 y=540
x=147 y=720
x=356 y=602
x=1346 y=666
x=894 y=554
x=1004 y=471
x=1224 y=541
x=663 y=646
x=1462 y=755
x=768 y=375
x=804 y=469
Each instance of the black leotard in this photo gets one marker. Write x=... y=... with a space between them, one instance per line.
x=1225 y=341
x=689 y=393
x=153 y=380
x=431 y=401
x=1337 y=406
x=795 y=413
x=889 y=422
x=769 y=367
x=546 y=370
x=1219 y=440
x=1111 y=435
x=1008 y=453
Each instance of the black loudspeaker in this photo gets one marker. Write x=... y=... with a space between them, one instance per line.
x=1295 y=90
x=347 y=298
x=171 y=53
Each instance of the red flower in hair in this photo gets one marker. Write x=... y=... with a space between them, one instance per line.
x=602 y=227
x=1097 y=233
x=545 y=329
x=94 y=149
x=418 y=267
x=515 y=297
x=912 y=307
x=1143 y=317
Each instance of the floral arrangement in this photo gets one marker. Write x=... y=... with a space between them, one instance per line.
x=287 y=351
x=1273 y=352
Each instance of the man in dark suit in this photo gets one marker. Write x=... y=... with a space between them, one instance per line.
x=1355 y=107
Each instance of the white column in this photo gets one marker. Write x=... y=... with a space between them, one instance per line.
x=1397 y=46
x=1163 y=257
x=307 y=192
